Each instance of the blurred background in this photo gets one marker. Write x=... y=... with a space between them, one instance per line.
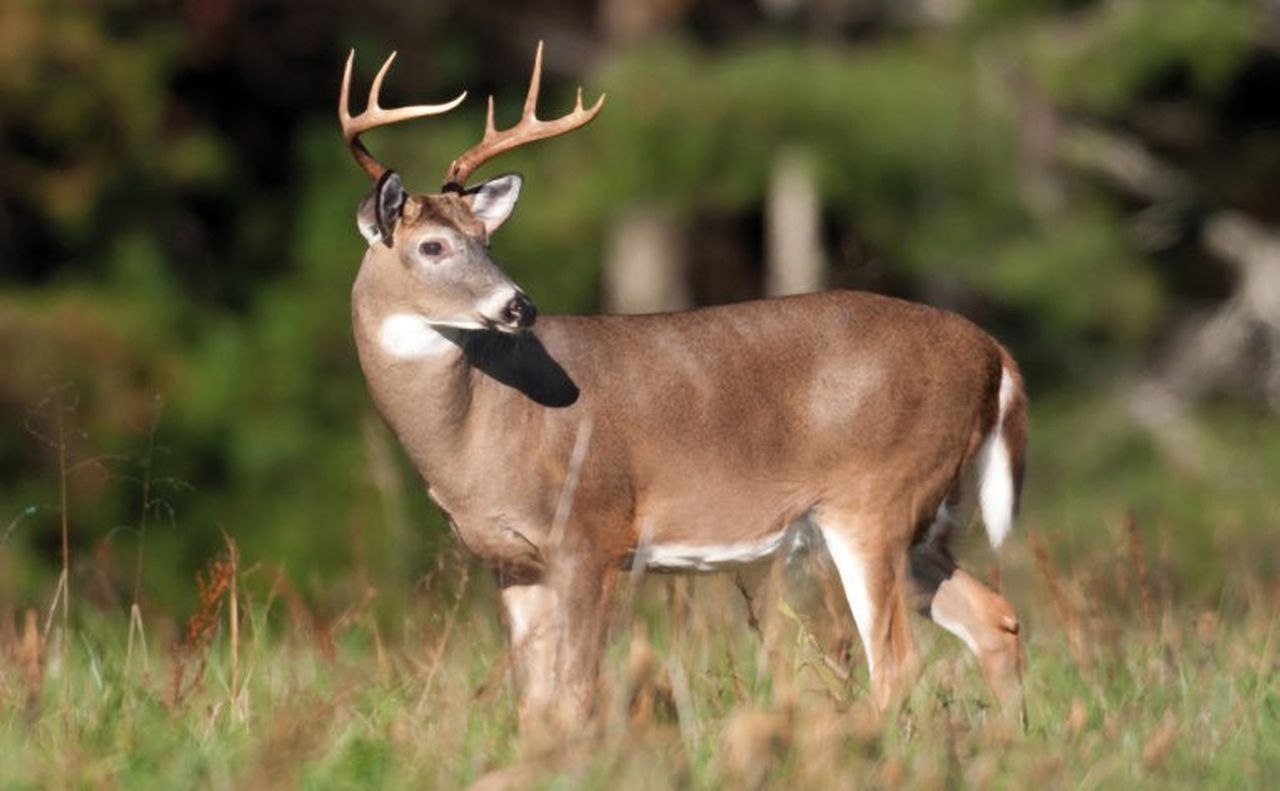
x=1095 y=182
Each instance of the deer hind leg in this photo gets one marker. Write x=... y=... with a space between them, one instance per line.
x=535 y=625
x=982 y=619
x=873 y=571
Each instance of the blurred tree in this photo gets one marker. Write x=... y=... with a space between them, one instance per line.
x=175 y=208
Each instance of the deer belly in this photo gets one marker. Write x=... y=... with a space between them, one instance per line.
x=691 y=535
x=682 y=556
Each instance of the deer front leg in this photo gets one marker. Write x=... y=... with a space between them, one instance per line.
x=585 y=589
x=534 y=623
x=982 y=619
x=873 y=571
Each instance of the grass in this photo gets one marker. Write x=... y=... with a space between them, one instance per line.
x=1152 y=637
x=692 y=696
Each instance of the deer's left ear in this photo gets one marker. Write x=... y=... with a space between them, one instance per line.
x=493 y=201
x=380 y=209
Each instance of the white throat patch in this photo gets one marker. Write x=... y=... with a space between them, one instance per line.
x=408 y=336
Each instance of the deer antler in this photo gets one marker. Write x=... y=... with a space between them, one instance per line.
x=375 y=115
x=528 y=129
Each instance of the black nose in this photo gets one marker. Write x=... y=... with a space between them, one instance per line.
x=520 y=312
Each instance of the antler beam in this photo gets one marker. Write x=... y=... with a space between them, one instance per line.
x=375 y=115
x=528 y=129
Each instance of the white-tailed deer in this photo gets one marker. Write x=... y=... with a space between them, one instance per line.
x=699 y=436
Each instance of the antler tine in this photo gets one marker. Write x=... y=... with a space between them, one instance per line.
x=374 y=115
x=375 y=89
x=490 y=130
x=535 y=83
x=344 y=93
x=528 y=129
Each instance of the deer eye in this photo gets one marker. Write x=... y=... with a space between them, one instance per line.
x=432 y=248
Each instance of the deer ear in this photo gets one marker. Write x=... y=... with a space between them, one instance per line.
x=493 y=201
x=380 y=209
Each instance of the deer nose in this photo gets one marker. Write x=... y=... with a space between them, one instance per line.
x=519 y=312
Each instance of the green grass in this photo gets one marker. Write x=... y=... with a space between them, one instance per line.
x=407 y=687
x=1189 y=700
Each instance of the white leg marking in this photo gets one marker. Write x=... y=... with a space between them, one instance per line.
x=517 y=616
x=526 y=605
x=409 y=336
x=955 y=628
x=533 y=618
x=852 y=567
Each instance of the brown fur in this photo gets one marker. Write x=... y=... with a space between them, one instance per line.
x=713 y=426
x=449 y=209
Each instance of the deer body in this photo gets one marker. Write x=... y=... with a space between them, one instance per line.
x=706 y=433
x=713 y=427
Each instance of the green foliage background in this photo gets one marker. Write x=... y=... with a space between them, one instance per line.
x=177 y=243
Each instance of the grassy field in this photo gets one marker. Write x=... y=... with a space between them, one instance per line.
x=1152 y=652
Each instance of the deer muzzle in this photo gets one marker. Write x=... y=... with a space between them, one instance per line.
x=519 y=313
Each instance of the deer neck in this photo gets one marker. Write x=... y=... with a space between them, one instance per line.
x=417 y=375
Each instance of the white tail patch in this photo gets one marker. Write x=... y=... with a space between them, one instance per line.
x=995 y=473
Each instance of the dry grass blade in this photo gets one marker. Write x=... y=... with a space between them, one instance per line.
x=211 y=586
x=65 y=582
x=1160 y=742
x=233 y=620
x=569 y=489
x=1077 y=718
x=138 y=634
x=438 y=655
x=683 y=697
x=58 y=592
x=17 y=520
x=649 y=694
x=1066 y=613
x=833 y=676
x=30 y=657
x=754 y=741
x=1138 y=557
x=752 y=620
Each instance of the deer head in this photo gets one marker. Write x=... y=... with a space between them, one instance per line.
x=431 y=251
